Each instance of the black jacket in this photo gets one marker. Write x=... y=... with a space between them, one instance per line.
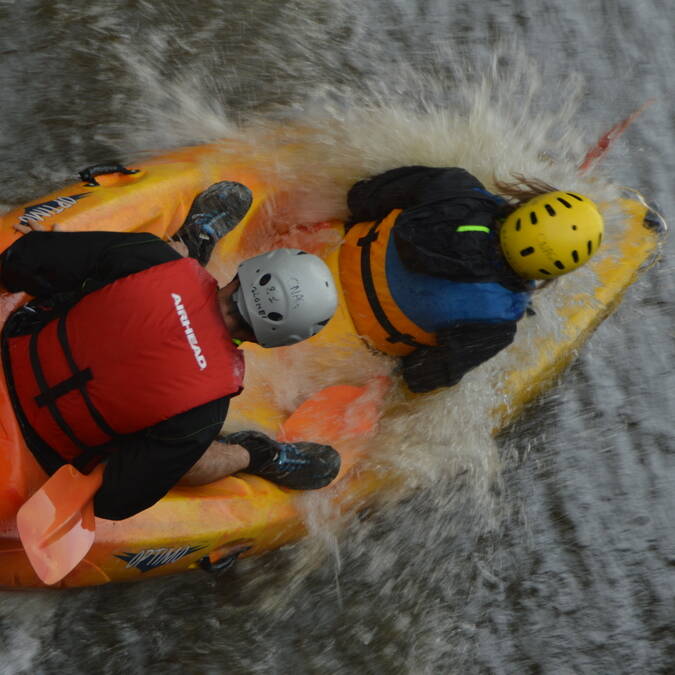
x=434 y=202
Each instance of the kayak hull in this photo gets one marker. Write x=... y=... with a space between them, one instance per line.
x=244 y=515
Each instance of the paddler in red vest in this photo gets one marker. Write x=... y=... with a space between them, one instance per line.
x=437 y=270
x=128 y=354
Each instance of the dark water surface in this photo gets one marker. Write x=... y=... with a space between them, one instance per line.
x=571 y=567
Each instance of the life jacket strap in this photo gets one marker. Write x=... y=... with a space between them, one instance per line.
x=394 y=336
x=68 y=352
x=76 y=382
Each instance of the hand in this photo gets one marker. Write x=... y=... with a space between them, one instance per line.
x=37 y=227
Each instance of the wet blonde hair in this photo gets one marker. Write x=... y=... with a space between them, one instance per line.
x=517 y=192
x=520 y=190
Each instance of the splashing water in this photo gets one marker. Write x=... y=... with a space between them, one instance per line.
x=488 y=117
x=354 y=89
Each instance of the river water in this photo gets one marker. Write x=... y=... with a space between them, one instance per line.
x=562 y=562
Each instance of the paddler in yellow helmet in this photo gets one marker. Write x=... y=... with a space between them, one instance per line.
x=437 y=270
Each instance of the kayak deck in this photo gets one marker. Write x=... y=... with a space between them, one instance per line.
x=245 y=515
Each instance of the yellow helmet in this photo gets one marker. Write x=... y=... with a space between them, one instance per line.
x=551 y=235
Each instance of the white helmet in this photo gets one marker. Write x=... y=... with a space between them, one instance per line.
x=285 y=296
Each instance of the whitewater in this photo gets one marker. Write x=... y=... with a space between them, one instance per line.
x=548 y=550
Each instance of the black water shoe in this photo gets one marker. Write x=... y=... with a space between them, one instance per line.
x=299 y=466
x=213 y=214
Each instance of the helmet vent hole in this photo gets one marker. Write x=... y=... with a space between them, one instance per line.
x=549 y=209
x=564 y=202
x=559 y=265
x=546 y=272
x=264 y=279
x=518 y=224
x=589 y=246
x=577 y=197
x=275 y=316
x=533 y=217
x=599 y=239
x=575 y=256
x=527 y=251
x=574 y=227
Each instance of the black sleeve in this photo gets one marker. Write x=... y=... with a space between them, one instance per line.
x=45 y=263
x=142 y=471
x=404 y=188
x=462 y=347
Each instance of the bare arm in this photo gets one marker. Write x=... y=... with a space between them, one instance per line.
x=219 y=460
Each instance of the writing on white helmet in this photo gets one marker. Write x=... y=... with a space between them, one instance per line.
x=285 y=296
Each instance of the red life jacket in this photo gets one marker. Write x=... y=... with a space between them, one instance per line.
x=136 y=352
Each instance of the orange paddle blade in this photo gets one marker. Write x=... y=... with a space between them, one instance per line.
x=56 y=525
x=343 y=416
x=336 y=413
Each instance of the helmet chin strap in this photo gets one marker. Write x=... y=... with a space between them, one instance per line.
x=241 y=306
x=242 y=311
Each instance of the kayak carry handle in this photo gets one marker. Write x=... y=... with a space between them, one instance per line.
x=89 y=174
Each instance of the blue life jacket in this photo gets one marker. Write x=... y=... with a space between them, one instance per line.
x=433 y=302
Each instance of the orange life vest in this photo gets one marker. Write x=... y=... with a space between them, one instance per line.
x=376 y=315
x=397 y=310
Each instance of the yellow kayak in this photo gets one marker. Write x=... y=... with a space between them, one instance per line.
x=246 y=515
